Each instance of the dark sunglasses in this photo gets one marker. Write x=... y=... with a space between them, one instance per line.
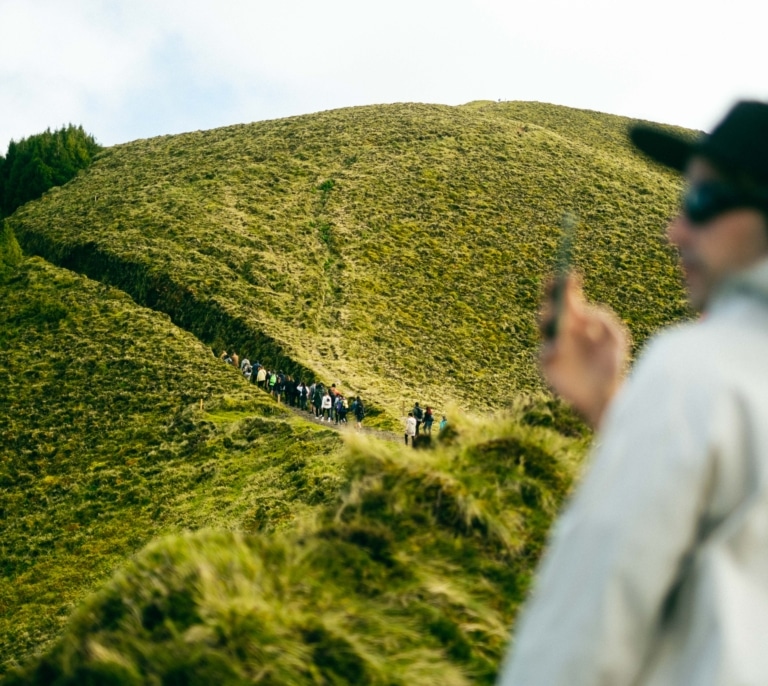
x=705 y=201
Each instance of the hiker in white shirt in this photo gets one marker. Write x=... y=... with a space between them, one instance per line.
x=326 y=407
x=410 y=428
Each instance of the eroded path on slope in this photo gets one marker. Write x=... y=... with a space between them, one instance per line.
x=346 y=427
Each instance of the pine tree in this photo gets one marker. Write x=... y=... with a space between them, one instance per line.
x=35 y=164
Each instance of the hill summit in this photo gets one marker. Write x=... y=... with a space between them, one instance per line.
x=395 y=250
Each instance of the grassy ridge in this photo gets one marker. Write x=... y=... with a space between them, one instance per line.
x=412 y=576
x=396 y=250
x=386 y=566
x=103 y=446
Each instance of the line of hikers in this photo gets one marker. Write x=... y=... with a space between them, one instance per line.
x=328 y=404
x=419 y=419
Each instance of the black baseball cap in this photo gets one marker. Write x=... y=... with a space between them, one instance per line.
x=738 y=144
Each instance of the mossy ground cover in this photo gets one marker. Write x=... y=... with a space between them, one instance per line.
x=412 y=575
x=276 y=558
x=103 y=446
x=396 y=250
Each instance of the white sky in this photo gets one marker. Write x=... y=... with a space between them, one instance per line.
x=128 y=69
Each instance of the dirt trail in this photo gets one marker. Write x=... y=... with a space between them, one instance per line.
x=348 y=427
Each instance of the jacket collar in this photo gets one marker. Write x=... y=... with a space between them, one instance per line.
x=751 y=283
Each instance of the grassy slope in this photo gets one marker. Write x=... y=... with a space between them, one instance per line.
x=103 y=446
x=440 y=222
x=397 y=250
x=387 y=567
x=412 y=576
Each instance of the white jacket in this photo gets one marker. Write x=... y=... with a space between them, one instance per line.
x=657 y=574
x=410 y=426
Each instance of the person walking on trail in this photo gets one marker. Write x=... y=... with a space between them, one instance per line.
x=327 y=404
x=273 y=384
x=443 y=425
x=428 y=420
x=333 y=393
x=318 y=399
x=657 y=572
x=359 y=411
x=280 y=386
x=410 y=428
x=261 y=378
x=303 y=393
x=245 y=368
x=339 y=414
x=418 y=415
x=290 y=390
x=342 y=407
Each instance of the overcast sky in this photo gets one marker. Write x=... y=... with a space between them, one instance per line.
x=128 y=69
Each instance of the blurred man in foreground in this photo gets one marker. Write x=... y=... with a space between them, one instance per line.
x=657 y=573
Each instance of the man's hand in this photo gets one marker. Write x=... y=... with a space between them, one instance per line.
x=585 y=363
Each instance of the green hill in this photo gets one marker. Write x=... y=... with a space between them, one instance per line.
x=396 y=250
x=376 y=564
x=103 y=445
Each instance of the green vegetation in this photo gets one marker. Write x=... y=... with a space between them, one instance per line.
x=36 y=164
x=202 y=533
x=10 y=252
x=412 y=577
x=395 y=250
x=103 y=446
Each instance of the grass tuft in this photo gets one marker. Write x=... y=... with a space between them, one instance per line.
x=412 y=575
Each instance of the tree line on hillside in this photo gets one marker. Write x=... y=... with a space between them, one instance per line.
x=35 y=164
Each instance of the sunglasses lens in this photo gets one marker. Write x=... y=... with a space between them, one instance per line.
x=704 y=202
